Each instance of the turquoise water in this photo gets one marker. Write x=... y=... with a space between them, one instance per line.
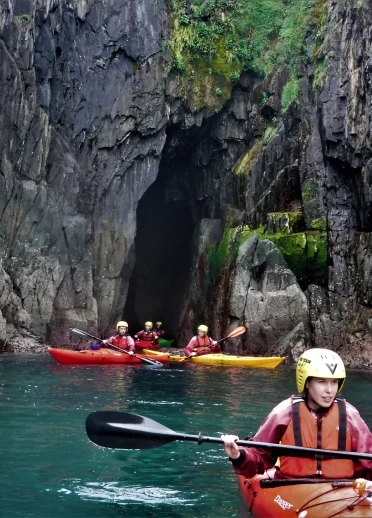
x=51 y=469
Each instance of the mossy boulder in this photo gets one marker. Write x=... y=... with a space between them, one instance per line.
x=306 y=255
x=305 y=251
x=265 y=295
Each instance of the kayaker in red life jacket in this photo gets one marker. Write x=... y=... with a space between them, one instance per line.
x=316 y=419
x=159 y=329
x=201 y=344
x=147 y=336
x=121 y=339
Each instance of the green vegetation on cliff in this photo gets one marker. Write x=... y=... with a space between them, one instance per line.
x=219 y=253
x=305 y=251
x=248 y=161
x=290 y=93
x=213 y=41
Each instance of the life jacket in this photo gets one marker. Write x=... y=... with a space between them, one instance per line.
x=121 y=341
x=202 y=343
x=330 y=432
x=147 y=336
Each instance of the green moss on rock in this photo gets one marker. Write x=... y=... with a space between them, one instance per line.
x=309 y=199
x=293 y=249
x=317 y=252
x=290 y=93
x=202 y=88
x=232 y=36
x=219 y=254
x=248 y=161
x=319 y=224
x=284 y=222
x=305 y=254
x=270 y=132
x=305 y=251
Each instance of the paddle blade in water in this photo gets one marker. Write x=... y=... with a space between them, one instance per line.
x=125 y=431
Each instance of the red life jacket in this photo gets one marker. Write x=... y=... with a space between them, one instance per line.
x=147 y=336
x=121 y=341
x=328 y=433
x=202 y=343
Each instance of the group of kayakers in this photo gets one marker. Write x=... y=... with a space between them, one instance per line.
x=317 y=418
x=149 y=337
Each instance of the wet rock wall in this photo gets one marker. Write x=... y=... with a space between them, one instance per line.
x=90 y=121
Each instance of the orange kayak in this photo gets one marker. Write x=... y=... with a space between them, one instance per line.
x=336 y=499
x=101 y=357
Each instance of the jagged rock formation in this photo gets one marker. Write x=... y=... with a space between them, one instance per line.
x=265 y=294
x=83 y=116
x=113 y=192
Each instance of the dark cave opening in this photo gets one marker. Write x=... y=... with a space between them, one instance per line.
x=163 y=251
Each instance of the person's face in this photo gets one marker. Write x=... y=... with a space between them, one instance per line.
x=122 y=330
x=201 y=334
x=321 y=392
x=147 y=328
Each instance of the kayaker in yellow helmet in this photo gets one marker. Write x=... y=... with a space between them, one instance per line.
x=201 y=343
x=121 y=339
x=158 y=328
x=315 y=419
x=147 y=338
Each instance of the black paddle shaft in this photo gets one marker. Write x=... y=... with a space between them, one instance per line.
x=126 y=431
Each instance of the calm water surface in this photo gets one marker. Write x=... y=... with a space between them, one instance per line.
x=51 y=470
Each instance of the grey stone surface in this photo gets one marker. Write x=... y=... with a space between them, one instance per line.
x=89 y=123
x=265 y=295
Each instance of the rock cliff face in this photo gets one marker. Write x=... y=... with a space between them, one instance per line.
x=118 y=200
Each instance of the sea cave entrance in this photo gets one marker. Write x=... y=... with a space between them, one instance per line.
x=163 y=249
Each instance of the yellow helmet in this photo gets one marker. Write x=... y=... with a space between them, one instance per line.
x=319 y=363
x=203 y=328
x=159 y=323
x=149 y=324
x=122 y=323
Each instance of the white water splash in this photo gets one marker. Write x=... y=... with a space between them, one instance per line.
x=112 y=492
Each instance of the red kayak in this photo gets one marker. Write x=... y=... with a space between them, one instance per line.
x=142 y=344
x=266 y=497
x=101 y=357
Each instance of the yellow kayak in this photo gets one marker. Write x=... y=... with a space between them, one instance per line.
x=228 y=360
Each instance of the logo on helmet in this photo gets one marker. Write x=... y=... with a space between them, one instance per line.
x=332 y=367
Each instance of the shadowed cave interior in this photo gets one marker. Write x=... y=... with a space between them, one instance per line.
x=163 y=248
